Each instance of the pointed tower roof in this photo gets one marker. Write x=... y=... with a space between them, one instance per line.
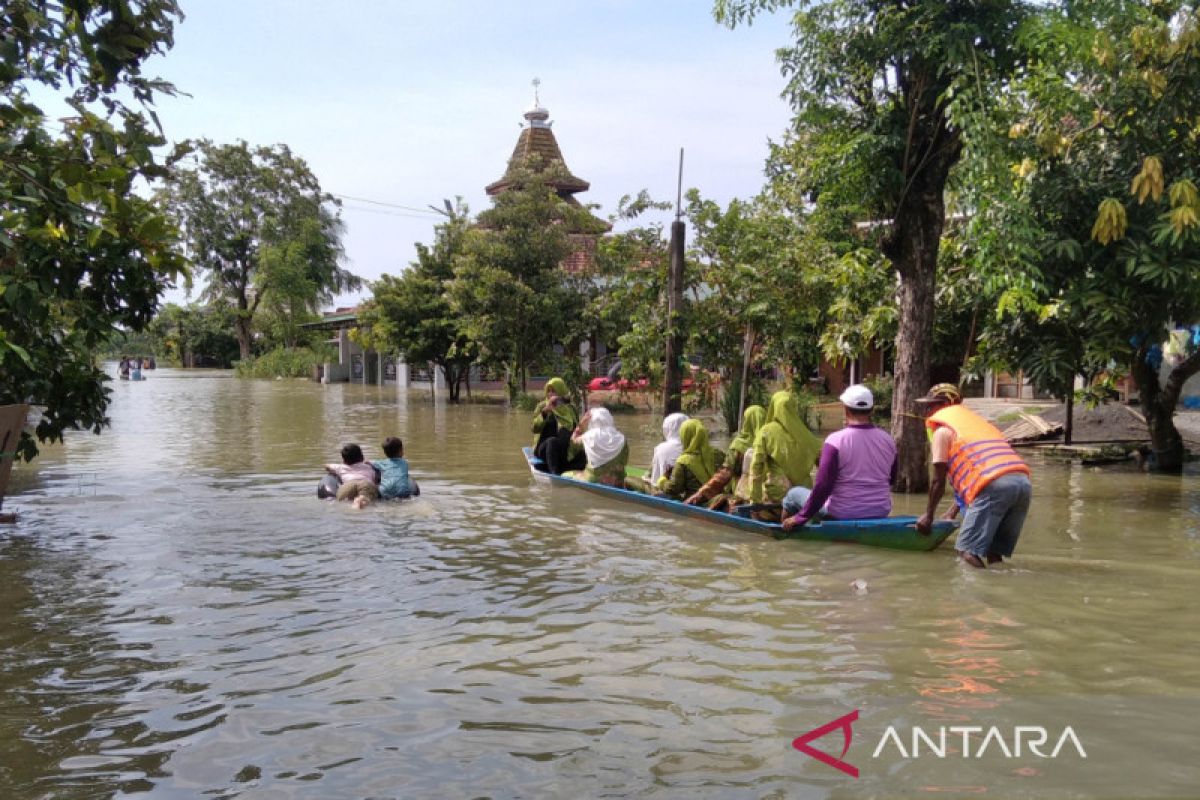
x=536 y=146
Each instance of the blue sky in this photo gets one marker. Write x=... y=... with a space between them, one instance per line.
x=408 y=103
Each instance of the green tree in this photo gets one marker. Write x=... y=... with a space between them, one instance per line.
x=83 y=255
x=877 y=88
x=1096 y=197
x=514 y=298
x=195 y=335
x=411 y=313
x=261 y=232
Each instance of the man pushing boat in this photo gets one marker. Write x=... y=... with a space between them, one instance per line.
x=989 y=479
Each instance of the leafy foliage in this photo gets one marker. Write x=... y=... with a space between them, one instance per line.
x=515 y=301
x=261 y=232
x=1095 y=184
x=83 y=256
x=878 y=91
x=411 y=314
x=195 y=335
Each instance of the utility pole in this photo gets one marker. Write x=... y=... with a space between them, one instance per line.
x=673 y=382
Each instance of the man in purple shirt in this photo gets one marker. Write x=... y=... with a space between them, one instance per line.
x=857 y=468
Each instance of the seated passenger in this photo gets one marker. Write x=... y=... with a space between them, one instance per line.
x=858 y=467
x=667 y=451
x=785 y=451
x=695 y=465
x=730 y=486
x=604 y=447
x=553 y=421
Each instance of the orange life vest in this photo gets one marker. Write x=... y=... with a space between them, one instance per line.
x=979 y=453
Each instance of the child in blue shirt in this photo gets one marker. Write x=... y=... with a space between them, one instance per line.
x=393 y=471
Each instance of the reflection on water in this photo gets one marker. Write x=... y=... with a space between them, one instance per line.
x=182 y=616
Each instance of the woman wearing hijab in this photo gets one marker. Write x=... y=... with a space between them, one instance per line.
x=785 y=451
x=667 y=450
x=553 y=421
x=604 y=446
x=730 y=486
x=696 y=464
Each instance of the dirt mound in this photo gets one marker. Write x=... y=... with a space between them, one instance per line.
x=1109 y=422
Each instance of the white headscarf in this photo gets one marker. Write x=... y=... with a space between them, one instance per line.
x=666 y=454
x=602 y=441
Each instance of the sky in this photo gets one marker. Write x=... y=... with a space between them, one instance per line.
x=406 y=103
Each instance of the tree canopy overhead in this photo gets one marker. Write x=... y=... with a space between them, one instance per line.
x=83 y=256
x=877 y=88
x=1088 y=218
x=260 y=230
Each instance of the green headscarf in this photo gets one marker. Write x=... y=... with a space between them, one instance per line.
x=564 y=412
x=753 y=419
x=697 y=455
x=787 y=440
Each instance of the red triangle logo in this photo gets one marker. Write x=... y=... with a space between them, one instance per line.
x=845 y=723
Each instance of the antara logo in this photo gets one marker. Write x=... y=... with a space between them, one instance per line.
x=1023 y=740
x=846 y=724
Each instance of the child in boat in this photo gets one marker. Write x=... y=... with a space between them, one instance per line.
x=696 y=464
x=606 y=449
x=393 y=471
x=356 y=475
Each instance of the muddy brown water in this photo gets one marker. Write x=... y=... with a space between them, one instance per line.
x=182 y=617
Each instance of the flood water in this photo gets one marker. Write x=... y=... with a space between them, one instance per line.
x=181 y=617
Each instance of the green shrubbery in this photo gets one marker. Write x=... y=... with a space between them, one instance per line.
x=281 y=363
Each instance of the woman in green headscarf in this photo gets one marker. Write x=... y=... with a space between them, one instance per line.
x=696 y=464
x=730 y=485
x=785 y=452
x=554 y=420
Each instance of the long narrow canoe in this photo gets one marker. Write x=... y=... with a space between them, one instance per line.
x=898 y=533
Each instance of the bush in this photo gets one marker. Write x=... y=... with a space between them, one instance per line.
x=882 y=388
x=756 y=394
x=280 y=363
x=526 y=402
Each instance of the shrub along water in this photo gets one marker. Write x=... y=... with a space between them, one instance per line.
x=281 y=363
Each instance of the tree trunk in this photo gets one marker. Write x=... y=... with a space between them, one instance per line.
x=241 y=329
x=912 y=246
x=1069 y=425
x=1158 y=406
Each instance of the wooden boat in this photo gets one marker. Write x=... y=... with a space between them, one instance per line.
x=898 y=533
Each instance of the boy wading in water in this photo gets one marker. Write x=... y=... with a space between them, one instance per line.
x=356 y=475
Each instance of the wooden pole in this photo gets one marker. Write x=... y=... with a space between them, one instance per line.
x=747 y=352
x=673 y=379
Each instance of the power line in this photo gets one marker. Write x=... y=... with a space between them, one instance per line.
x=388 y=205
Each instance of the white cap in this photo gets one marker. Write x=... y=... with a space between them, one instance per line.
x=858 y=397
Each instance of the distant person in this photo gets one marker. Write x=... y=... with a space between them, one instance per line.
x=357 y=477
x=857 y=468
x=123 y=368
x=696 y=464
x=730 y=486
x=662 y=461
x=135 y=369
x=987 y=476
x=604 y=446
x=394 y=480
x=785 y=452
x=554 y=419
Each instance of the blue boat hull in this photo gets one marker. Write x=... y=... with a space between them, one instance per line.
x=897 y=533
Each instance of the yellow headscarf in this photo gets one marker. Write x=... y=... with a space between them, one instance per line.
x=698 y=455
x=787 y=440
x=564 y=412
x=753 y=419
